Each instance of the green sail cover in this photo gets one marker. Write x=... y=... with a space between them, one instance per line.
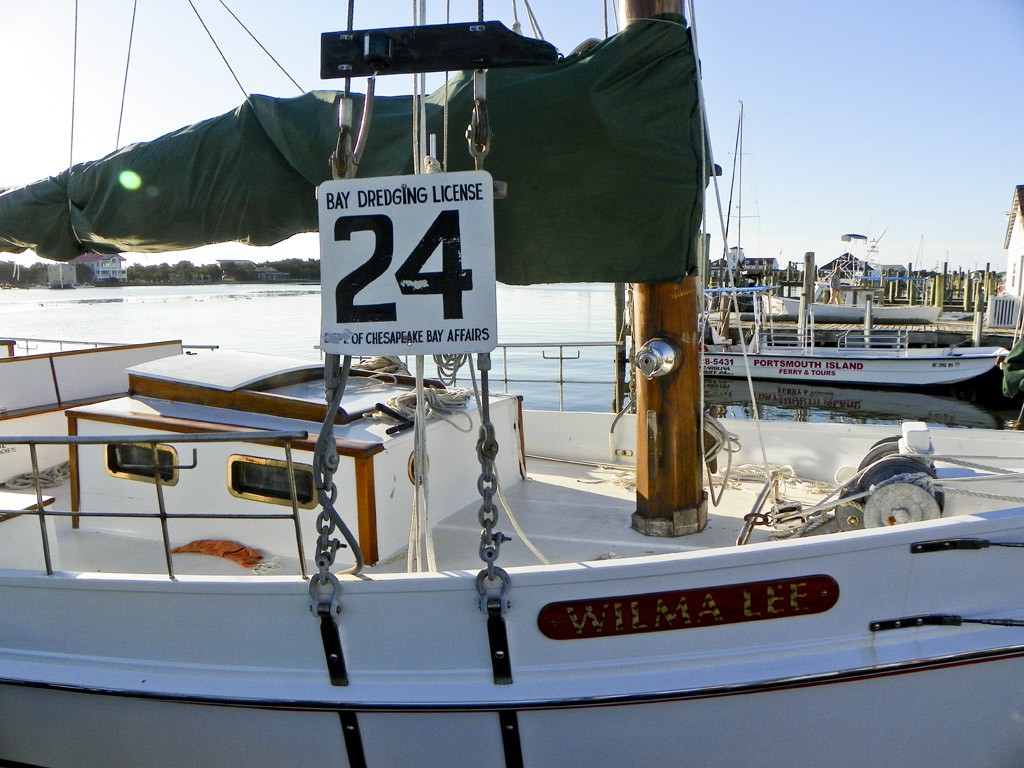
x=601 y=153
x=1013 y=370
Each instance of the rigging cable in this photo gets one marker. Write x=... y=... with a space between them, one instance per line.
x=124 y=85
x=344 y=162
x=71 y=147
x=708 y=163
x=444 y=122
x=269 y=54
x=533 y=21
x=222 y=56
x=419 y=105
x=420 y=533
x=74 y=85
x=615 y=15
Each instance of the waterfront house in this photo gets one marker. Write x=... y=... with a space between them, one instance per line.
x=61 y=275
x=1013 y=244
x=271 y=275
x=100 y=268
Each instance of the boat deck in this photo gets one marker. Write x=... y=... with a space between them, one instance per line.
x=573 y=513
x=568 y=511
x=574 y=505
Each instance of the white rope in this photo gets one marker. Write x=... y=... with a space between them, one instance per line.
x=420 y=534
x=413 y=554
x=956 y=460
x=382 y=364
x=497 y=480
x=979 y=494
x=437 y=403
x=817 y=515
x=48 y=478
x=721 y=440
x=621 y=477
x=419 y=101
x=956 y=484
x=267 y=566
x=448 y=367
x=515 y=523
x=421 y=466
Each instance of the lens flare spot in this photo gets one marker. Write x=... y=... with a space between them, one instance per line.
x=130 y=180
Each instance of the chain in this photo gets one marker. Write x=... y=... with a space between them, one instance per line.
x=324 y=588
x=478 y=136
x=490 y=540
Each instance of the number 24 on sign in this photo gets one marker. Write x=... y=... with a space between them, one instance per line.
x=438 y=298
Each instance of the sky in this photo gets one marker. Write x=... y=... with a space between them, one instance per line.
x=901 y=120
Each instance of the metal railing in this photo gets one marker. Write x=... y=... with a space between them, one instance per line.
x=25 y=345
x=782 y=338
x=862 y=338
x=154 y=440
x=560 y=355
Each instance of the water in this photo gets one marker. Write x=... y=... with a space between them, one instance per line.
x=284 y=319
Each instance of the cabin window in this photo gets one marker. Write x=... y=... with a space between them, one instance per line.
x=261 y=479
x=134 y=461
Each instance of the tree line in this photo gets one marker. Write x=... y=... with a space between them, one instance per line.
x=180 y=273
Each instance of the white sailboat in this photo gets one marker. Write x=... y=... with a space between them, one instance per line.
x=242 y=572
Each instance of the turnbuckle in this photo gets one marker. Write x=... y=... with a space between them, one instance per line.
x=478 y=134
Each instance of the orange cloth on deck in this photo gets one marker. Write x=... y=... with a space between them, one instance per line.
x=245 y=556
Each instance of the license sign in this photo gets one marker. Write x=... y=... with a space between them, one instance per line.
x=407 y=264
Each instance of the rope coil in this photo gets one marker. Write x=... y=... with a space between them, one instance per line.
x=48 y=478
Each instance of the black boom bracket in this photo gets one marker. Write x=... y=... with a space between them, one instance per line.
x=431 y=48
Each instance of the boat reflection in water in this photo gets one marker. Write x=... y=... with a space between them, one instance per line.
x=797 y=401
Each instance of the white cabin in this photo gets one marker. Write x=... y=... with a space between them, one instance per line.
x=1013 y=243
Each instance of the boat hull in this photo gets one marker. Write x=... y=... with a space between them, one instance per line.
x=909 y=719
x=120 y=663
x=918 y=368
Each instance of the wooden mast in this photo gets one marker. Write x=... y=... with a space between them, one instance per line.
x=670 y=495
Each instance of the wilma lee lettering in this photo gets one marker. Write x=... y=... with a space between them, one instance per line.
x=713 y=606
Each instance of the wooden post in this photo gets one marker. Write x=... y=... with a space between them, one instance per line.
x=670 y=497
x=621 y=371
x=979 y=317
x=806 y=295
